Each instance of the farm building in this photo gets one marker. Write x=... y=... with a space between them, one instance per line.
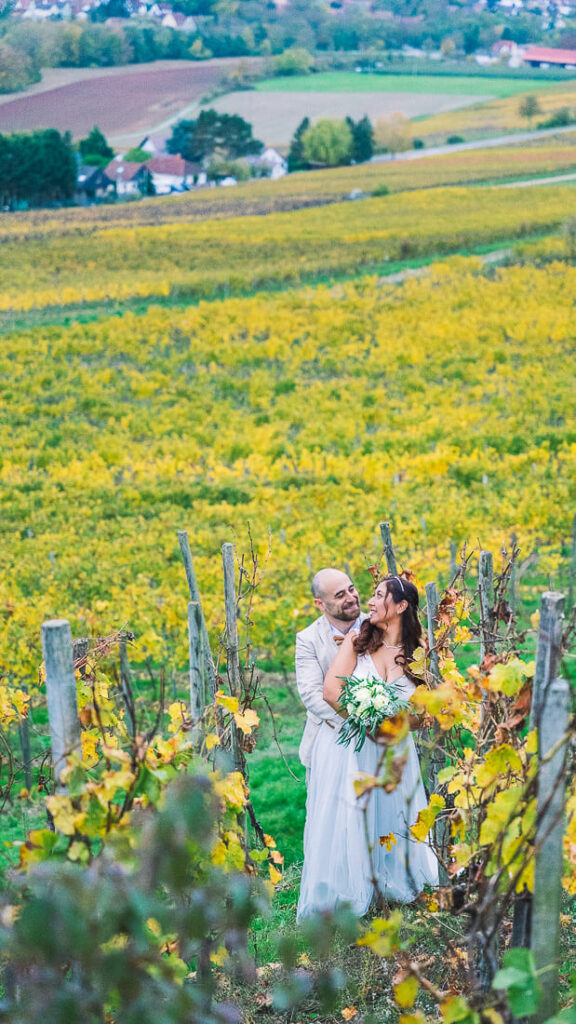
x=538 y=56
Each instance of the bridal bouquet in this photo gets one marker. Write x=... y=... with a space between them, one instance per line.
x=367 y=702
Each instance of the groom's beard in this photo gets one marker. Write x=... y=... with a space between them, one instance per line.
x=349 y=613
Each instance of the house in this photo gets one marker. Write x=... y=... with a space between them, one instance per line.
x=128 y=179
x=174 y=174
x=538 y=56
x=268 y=164
x=92 y=183
x=151 y=145
x=504 y=49
x=169 y=18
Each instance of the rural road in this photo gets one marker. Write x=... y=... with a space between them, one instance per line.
x=458 y=147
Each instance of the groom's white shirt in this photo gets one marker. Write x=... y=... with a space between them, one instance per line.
x=315 y=652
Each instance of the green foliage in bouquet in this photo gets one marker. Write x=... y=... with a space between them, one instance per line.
x=367 y=702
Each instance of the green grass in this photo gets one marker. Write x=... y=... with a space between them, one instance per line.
x=350 y=81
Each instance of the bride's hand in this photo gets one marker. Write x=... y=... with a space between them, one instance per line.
x=347 y=641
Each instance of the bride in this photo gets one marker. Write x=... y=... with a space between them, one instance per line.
x=350 y=843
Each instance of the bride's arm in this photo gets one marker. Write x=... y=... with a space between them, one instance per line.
x=343 y=665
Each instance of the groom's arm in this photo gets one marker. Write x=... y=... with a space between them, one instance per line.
x=310 y=679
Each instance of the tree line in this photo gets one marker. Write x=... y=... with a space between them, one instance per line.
x=36 y=168
x=253 y=28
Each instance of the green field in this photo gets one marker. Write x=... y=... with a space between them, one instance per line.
x=447 y=85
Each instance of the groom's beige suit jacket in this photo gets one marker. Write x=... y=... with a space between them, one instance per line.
x=315 y=652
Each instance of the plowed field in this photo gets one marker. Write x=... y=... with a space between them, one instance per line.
x=126 y=103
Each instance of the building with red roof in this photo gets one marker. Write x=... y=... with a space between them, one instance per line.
x=536 y=56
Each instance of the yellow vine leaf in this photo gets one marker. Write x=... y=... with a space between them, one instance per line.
x=349 y=1012
x=246 y=720
x=405 y=991
x=383 y=936
x=427 y=816
x=275 y=875
x=231 y=704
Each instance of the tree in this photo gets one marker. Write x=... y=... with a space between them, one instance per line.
x=329 y=143
x=226 y=135
x=17 y=71
x=37 y=167
x=94 y=149
x=471 y=38
x=393 y=134
x=296 y=161
x=529 y=107
x=137 y=156
x=219 y=168
x=294 y=61
x=362 y=139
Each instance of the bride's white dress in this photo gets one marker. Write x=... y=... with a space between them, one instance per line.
x=337 y=866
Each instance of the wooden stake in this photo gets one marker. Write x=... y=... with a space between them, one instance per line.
x=386 y=535
x=547 y=652
x=24 y=734
x=512 y=596
x=572 y=580
x=486 y=594
x=209 y=671
x=434 y=736
x=432 y=617
x=546 y=901
x=127 y=695
x=195 y=646
x=232 y=645
x=547 y=661
x=61 y=695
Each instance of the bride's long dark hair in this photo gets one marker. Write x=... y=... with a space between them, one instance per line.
x=371 y=638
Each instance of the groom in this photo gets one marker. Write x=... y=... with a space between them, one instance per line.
x=337 y=598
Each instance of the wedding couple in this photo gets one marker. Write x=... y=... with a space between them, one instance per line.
x=356 y=849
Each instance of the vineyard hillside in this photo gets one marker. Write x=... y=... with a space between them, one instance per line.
x=309 y=414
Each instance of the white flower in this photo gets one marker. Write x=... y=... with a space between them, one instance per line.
x=363 y=695
x=381 y=701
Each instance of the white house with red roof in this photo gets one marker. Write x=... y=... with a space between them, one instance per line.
x=174 y=174
x=129 y=179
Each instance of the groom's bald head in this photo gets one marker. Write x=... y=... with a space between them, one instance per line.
x=335 y=595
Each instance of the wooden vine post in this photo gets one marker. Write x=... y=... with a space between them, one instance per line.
x=548 y=652
x=546 y=901
x=202 y=671
x=232 y=644
x=61 y=695
x=434 y=736
x=486 y=595
x=572 y=581
x=389 y=555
